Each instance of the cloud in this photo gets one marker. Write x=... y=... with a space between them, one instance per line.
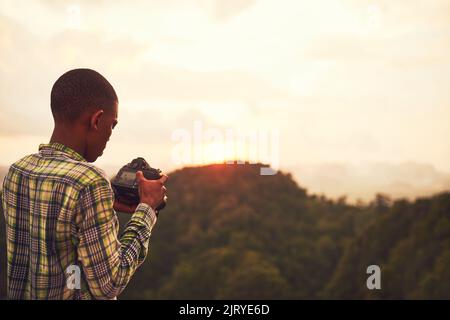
x=165 y=82
x=29 y=66
x=224 y=9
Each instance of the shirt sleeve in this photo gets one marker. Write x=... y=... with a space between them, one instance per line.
x=108 y=261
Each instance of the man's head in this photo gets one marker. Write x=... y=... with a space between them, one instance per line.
x=85 y=104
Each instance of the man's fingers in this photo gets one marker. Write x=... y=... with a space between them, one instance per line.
x=164 y=178
x=140 y=176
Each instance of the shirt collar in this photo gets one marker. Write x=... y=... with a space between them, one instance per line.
x=58 y=149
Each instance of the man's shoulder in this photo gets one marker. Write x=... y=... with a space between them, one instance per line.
x=79 y=173
x=86 y=173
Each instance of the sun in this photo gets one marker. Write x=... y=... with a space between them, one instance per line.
x=218 y=152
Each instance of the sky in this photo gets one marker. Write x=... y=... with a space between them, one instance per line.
x=351 y=96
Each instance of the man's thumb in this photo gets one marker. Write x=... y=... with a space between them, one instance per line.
x=139 y=176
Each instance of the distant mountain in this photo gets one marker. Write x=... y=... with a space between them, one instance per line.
x=228 y=232
x=364 y=181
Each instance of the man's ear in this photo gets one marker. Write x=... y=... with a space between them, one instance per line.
x=95 y=119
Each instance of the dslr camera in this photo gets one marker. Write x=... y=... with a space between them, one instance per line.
x=125 y=186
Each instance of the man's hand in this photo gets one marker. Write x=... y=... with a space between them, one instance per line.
x=151 y=192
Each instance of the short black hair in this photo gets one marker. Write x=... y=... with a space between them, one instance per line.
x=78 y=90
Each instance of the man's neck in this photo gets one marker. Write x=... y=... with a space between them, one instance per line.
x=69 y=138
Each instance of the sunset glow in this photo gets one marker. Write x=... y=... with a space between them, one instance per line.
x=351 y=83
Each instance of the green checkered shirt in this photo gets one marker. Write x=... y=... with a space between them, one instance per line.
x=60 y=220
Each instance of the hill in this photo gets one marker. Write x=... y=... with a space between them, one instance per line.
x=228 y=232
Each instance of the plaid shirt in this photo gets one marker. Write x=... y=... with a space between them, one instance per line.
x=60 y=218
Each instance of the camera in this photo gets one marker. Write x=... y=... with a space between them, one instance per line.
x=125 y=186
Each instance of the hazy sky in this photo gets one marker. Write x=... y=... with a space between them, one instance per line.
x=347 y=83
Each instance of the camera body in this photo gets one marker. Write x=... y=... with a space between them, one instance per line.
x=125 y=186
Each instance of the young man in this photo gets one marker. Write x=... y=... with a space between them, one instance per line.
x=60 y=209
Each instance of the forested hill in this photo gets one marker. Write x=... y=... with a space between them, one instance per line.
x=229 y=232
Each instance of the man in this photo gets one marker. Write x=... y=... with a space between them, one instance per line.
x=60 y=209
